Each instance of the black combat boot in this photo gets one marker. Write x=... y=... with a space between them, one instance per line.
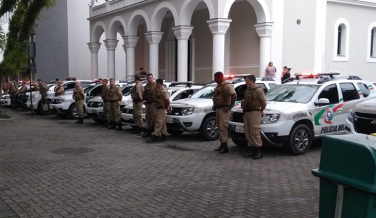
x=136 y=130
x=112 y=125
x=119 y=126
x=219 y=148
x=252 y=153
x=80 y=121
x=258 y=153
x=163 y=138
x=147 y=133
x=153 y=138
x=142 y=130
x=224 y=149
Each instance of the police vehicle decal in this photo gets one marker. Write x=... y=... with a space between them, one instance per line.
x=328 y=113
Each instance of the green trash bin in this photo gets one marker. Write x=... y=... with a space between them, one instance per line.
x=347 y=176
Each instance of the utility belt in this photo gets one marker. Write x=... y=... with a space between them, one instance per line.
x=149 y=102
x=113 y=101
x=105 y=101
x=221 y=106
x=250 y=110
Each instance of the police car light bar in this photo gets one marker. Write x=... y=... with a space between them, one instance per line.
x=317 y=74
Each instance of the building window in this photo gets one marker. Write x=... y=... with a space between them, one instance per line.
x=371 y=45
x=341 y=40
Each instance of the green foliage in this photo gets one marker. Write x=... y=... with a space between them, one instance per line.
x=22 y=22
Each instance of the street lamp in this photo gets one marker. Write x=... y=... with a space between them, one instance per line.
x=31 y=67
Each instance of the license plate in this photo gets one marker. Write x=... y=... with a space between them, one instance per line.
x=169 y=120
x=239 y=129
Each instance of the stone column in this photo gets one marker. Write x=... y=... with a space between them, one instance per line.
x=154 y=38
x=94 y=48
x=182 y=34
x=219 y=27
x=130 y=43
x=125 y=52
x=264 y=31
x=111 y=45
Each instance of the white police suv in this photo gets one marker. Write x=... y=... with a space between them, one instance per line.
x=301 y=110
x=94 y=107
x=195 y=114
x=177 y=91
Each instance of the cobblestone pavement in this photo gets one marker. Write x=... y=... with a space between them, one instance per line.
x=51 y=167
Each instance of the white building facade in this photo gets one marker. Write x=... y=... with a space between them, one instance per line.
x=192 y=39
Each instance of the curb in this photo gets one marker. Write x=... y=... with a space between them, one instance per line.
x=5 y=119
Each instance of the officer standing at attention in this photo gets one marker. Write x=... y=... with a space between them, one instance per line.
x=13 y=92
x=106 y=103
x=22 y=95
x=137 y=105
x=149 y=97
x=79 y=97
x=59 y=89
x=224 y=98
x=253 y=106
x=43 y=92
x=162 y=103
x=115 y=97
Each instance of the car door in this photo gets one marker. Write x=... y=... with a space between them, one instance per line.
x=327 y=117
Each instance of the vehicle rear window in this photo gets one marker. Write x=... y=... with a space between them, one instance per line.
x=364 y=89
x=349 y=92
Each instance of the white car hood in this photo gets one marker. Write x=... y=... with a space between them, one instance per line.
x=285 y=108
x=368 y=106
x=193 y=102
x=65 y=96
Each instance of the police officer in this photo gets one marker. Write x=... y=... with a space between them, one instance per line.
x=106 y=102
x=13 y=90
x=59 y=90
x=22 y=95
x=79 y=97
x=115 y=97
x=162 y=103
x=137 y=104
x=224 y=98
x=253 y=106
x=149 y=97
x=43 y=92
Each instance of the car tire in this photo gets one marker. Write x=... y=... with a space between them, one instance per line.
x=175 y=132
x=72 y=111
x=97 y=120
x=240 y=142
x=209 y=129
x=300 y=140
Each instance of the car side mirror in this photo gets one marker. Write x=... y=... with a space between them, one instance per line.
x=322 y=102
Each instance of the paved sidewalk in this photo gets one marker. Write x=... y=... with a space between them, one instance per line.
x=51 y=167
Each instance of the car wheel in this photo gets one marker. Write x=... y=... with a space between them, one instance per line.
x=97 y=120
x=175 y=132
x=240 y=142
x=73 y=111
x=300 y=140
x=209 y=129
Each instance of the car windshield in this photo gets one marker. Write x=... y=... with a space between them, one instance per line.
x=206 y=92
x=88 y=88
x=172 y=91
x=127 y=90
x=292 y=93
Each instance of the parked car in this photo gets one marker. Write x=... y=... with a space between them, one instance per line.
x=177 y=91
x=195 y=114
x=65 y=105
x=301 y=110
x=94 y=108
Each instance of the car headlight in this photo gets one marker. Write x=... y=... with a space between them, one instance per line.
x=187 y=111
x=270 y=118
x=59 y=101
x=5 y=97
x=100 y=104
x=350 y=116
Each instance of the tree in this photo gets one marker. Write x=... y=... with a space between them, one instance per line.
x=22 y=22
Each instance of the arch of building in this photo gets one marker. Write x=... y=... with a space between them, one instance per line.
x=127 y=25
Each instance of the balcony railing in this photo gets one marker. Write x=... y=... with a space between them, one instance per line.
x=112 y=6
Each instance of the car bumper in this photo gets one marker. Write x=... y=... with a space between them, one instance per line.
x=5 y=102
x=128 y=118
x=95 y=112
x=35 y=104
x=274 y=139
x=58 y=108
x=190 y=123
